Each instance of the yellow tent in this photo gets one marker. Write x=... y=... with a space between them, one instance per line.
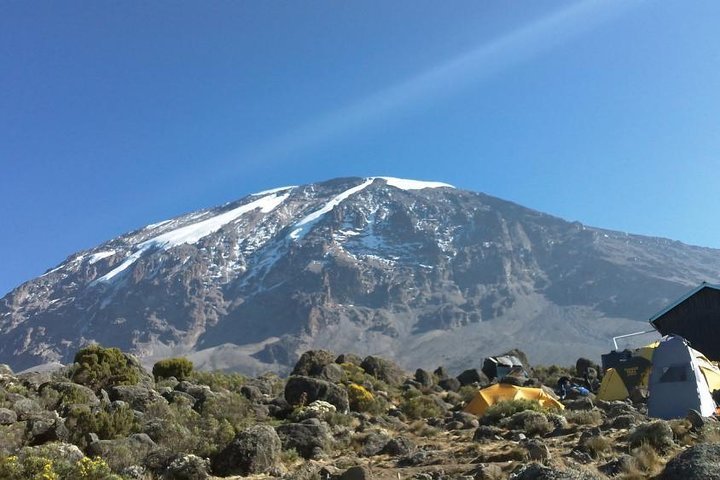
x=635 y=372
x=493 y=394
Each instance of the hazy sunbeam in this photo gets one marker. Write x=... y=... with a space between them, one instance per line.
x=447 y=78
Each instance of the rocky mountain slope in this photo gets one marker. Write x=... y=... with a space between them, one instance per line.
x=416 y=271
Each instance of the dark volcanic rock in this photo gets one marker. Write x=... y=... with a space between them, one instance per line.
x=312 y=362
x=305 y=390
x=535 y=471
x=384 y=370
x=700 y=462
x=309 y=438
x=254 y=450
x=471 y=376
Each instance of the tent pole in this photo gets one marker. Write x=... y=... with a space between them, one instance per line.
x=615 y=339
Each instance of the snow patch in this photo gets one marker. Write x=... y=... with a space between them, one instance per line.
x=304 y=225
x=406 y=184
x=272 y=190
x=96 y=257
x=193 y=233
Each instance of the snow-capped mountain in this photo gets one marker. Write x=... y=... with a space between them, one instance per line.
x=419 y=271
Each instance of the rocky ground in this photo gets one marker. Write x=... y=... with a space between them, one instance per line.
x=336 y=417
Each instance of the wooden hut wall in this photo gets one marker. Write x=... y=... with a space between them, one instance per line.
x=697 y=319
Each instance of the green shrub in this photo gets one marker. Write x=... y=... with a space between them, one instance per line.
x=508 y=408
x=420 y=407
x=98 y=367
x=218 y=381
x=179 y=368
x=107 y=424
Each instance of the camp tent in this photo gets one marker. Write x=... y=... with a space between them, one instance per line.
x=681 y=379
x=499 y=392
x=501 y=366
x=630 y=371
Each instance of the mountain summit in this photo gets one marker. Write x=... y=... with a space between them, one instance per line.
x=418 y=271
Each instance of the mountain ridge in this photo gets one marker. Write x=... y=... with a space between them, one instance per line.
x=407 y=269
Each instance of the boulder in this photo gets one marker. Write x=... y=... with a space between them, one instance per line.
x=312 y=362
x=374 y=443
x=487 y=433
x=56 y=451
x=7 y=416
x=129 y=451
x=349 y=358
x=310 y=438
x=25 y=407
x=424 y=378
x=188 y=467
x=5 y=369
x=441 y=372
x=358 y=472
x=384 y=370
x=536 y=471
x=657 y=434
x=252 y=451
x=398 y=446
x=139 y=397
x=68 y=393
x=450 y=384
x=537 y=450
x=252 y=393
x=305 y=390
x=586 y=366
x=472 y=376
x=700 y=462
x=46 y=427
x=332 y=373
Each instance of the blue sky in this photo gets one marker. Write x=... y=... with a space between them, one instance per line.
x=114 y=115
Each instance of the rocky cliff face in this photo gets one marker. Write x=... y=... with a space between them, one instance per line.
x=417 y=271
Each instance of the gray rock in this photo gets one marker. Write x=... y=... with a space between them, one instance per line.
x=310 y=438
x=424 y=378
x=535 y=471
x=5 y=369
x=399 y=446
x=254 y=450
x=349 y=358
x=332 y=373
x=55 y=451
x=583 y=403
x=374 y=443
x=657 y=434
x=252 y=393
x=700 y=462
x=7 y=416
x=68 y=393
x=312 y=362
x=139 y=397
x=187 y=467
x=306 y=390
x=450 y=384
x=25 y=407
x=537 y=450
x=486 y=433
x=624 y=421
x=488 y=471
x=473 y=376
x=359 y=472
x=384 y=370
x=46 y=427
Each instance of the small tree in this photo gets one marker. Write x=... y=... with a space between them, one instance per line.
x=179 y=368
x=99 y=367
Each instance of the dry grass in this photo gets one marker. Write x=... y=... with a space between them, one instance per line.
x=646 y=463
x=596 y=446
x=584 y=417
